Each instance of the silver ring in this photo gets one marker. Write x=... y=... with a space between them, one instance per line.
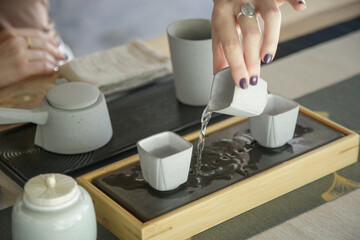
x=247 y=10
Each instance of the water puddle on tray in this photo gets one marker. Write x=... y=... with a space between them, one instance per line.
x=220 y=160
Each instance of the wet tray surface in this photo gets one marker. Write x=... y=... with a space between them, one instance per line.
x=230 y=155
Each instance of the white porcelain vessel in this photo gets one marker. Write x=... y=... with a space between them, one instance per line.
x=165 y=160
x=191 y=57
x=53 y=207
x=73 y=118
x=276 y=125
x=227 y=98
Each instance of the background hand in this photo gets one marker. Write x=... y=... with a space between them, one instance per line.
x=26 y=52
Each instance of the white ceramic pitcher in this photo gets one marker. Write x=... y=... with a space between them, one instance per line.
x=227 y=98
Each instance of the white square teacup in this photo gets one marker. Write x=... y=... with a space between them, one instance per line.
x=276 y=125
x=165 y=160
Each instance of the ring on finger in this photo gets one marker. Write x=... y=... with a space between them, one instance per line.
x=248 y=10
x=28 y=42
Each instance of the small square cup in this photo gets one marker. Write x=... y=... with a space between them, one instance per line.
x=165 y=160
x=227 y=98
x=276 y=125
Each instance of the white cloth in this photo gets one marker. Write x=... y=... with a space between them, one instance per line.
x=120 y=68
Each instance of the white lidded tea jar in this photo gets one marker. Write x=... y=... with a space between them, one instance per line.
x=53 y=207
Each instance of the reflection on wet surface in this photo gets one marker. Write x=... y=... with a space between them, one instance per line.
x=221 y=160
x=229 y=156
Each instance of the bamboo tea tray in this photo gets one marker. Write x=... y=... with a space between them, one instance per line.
x=146 y=214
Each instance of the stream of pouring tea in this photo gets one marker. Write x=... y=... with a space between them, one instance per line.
x=205 y=118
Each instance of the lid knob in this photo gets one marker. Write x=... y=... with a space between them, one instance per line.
x=49 y=190
x=51 y=181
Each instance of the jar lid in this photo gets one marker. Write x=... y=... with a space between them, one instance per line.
x=49 y=190
x=73 y=95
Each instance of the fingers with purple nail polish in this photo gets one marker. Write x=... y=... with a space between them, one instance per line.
x=253 y=80
x=243 y=83
x=267 y=58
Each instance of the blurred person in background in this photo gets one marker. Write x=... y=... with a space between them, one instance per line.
x=29 y=42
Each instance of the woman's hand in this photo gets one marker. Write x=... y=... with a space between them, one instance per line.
x=26 y=52
x=244 y=54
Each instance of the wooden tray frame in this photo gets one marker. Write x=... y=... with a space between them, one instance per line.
x=184 y=222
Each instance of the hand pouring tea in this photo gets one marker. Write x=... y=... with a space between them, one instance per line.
x=227 y=98
x=73 y=118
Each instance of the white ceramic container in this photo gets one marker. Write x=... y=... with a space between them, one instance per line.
x=165 y=160
x=276 y=125
x=227 y=98
x=191 y=57
x=53 y=207
x=73 y=118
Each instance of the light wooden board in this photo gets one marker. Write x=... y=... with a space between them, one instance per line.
x=213 y=209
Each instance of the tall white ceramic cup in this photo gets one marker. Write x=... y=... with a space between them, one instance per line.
x=276 y=125
x=191 y=57
x=165 y=160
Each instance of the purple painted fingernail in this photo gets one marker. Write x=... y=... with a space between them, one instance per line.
x=243 y=83
x=302 y=2
x=253 y=80
x=268 y=58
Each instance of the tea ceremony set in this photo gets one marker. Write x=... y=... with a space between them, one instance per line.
x=181 y=153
